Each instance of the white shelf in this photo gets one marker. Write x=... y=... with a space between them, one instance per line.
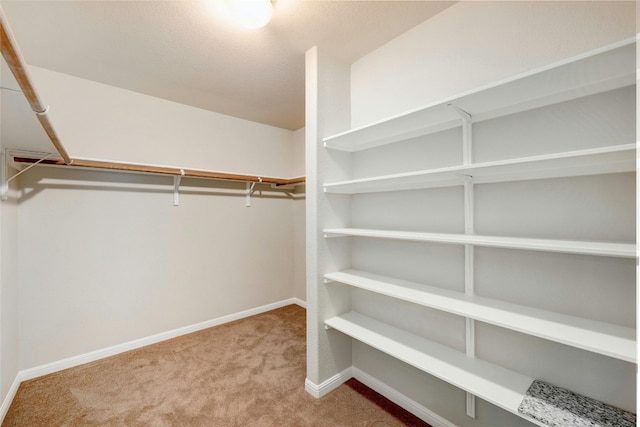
x=492 y=383
x=598 y=337
x=609 y=68
x=613 y=159
x=597 y=72
x=623 y=250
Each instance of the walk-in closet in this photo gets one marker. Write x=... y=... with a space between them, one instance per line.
x=341 y=213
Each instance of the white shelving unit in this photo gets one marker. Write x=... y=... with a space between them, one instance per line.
x=597 y=72
x=624 y=250
x=610 y=340
x=608 y=68
x=619 y=158
x=497 y=385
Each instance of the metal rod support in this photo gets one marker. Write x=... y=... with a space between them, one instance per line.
x=250 y=187
x=176 y=189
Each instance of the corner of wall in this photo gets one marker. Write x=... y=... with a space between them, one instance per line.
x=9 y=325
x=298 y=207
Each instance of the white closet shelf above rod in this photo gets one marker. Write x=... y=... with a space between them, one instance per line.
x=160 y=170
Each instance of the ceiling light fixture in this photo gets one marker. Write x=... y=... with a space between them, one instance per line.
x=252 y=14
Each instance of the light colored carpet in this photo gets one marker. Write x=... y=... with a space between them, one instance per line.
x=246 y=373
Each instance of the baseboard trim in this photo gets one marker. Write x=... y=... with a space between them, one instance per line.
x=327 y=386
x=92 y=356
x=298 y=301
x=400 y=399
x=6 y=403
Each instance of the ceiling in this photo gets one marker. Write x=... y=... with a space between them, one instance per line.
x=184 y=52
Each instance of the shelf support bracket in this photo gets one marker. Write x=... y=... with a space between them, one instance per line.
x=176 y=188
x=4 y=175
x=250 y=189
x=467 y=136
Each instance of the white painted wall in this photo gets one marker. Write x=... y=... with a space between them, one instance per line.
x=327 y=110
x=9 y=357
x=105 y=258
x=473 y=43
x=467 y=45
x=298 y=153
x=299 y=212
x=18 y=122
x=95 y=120
x=9 y=301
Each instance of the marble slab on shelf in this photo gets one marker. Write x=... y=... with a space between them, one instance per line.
x=558 y=407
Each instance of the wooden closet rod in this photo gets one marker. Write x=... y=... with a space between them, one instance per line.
x=16 y=64
x=162 y=170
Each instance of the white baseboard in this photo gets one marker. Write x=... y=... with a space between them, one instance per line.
x=420 y=411
x=298 y=301
x=319 y=390
x=401 y=400
x=6 y=403
x=92 y=356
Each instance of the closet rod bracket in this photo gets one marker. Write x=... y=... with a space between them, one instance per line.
x=250 y=189
x=176 y=188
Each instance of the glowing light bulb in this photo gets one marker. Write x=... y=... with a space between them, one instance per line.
x=252 y=14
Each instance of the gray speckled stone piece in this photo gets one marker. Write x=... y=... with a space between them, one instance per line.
x=559 y=407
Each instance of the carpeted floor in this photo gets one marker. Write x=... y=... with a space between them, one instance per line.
x=246 y=373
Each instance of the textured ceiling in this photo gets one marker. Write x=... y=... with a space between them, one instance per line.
x=183 y=51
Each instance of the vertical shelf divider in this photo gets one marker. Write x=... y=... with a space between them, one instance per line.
x=467 y=159
x=469 y=284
